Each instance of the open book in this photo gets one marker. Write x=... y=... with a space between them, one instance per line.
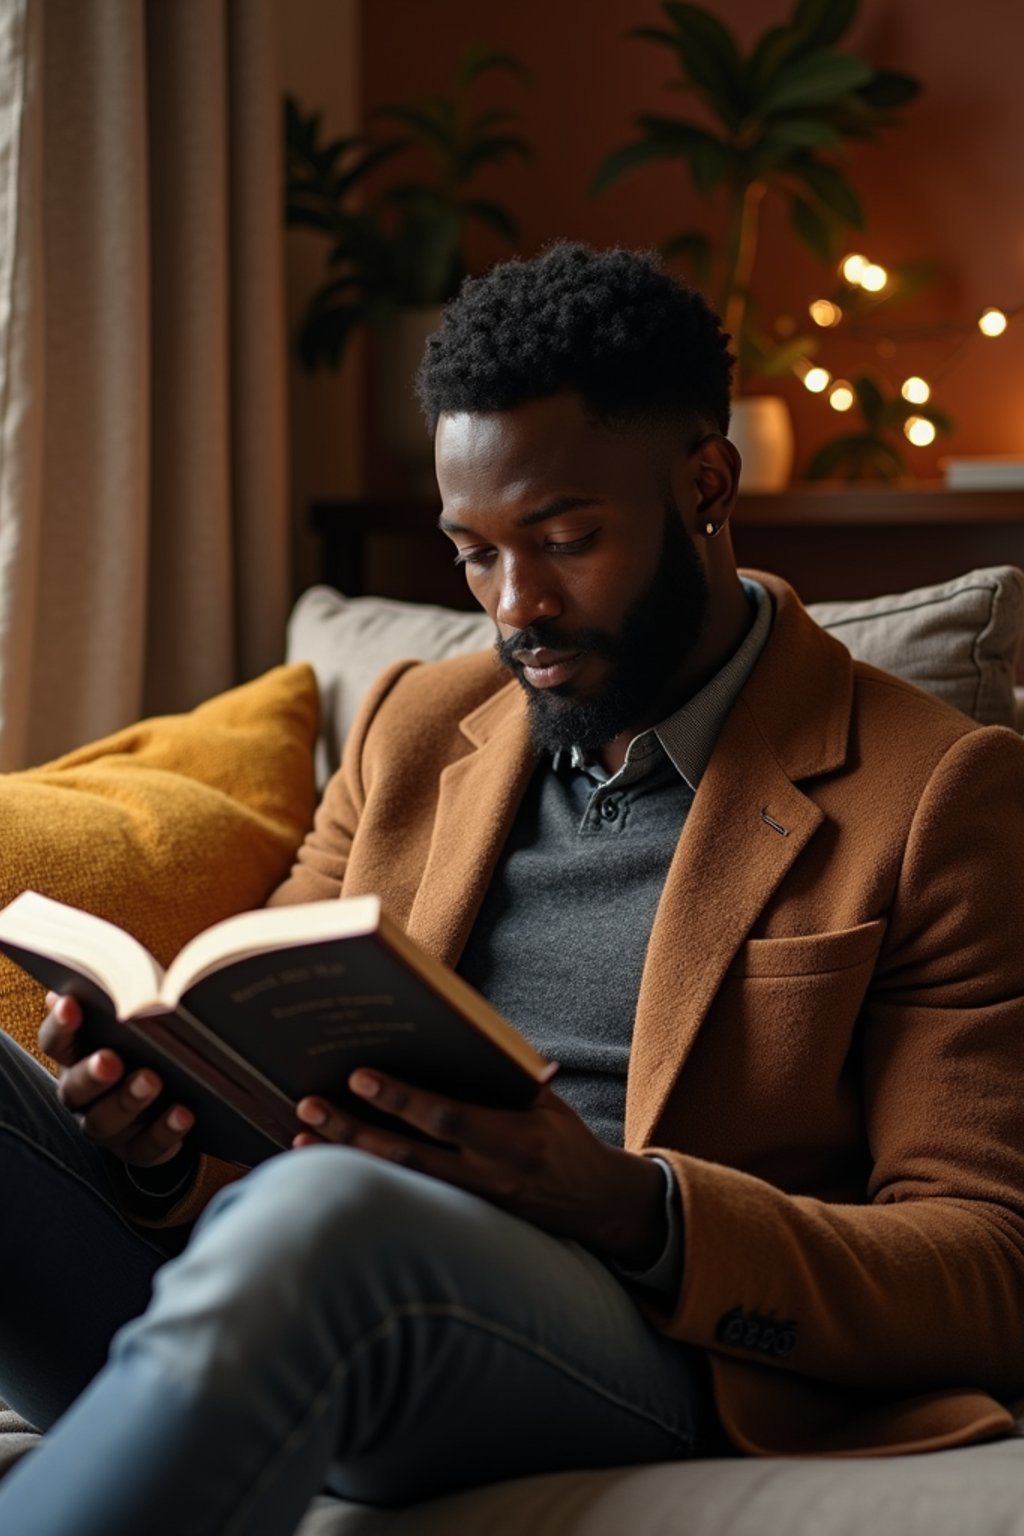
x=269 y=1006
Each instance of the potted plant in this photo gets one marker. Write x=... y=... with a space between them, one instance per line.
x=396 y=255
x=776 y=122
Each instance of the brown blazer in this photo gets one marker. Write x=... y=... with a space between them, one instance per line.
x=829 y=1038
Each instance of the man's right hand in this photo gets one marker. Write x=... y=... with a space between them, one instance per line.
x=110 y=1106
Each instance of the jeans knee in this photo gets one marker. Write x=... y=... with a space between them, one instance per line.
x=315 y=1247
x=321 y=1220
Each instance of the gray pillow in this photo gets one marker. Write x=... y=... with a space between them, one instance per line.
x=959 y=640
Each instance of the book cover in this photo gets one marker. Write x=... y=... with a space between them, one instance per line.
x=273 y=1005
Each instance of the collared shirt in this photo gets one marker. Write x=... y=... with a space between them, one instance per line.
x=688 y=736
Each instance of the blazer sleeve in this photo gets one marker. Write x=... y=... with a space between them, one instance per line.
x=922 y=1285
x=318 y=873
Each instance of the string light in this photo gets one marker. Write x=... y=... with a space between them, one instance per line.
x=992 y=323
x=857 y=271
x=824 y=313
x=919 y=430
x=916 y=390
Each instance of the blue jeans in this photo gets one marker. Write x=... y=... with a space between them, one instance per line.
x=334 y=1323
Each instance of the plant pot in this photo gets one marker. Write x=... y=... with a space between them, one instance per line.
x=762 y=431
x=399 y=427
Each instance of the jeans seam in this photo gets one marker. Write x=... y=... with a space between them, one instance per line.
x=67 y=1171
x=387 y=1326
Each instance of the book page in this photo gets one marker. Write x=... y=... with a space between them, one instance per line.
x=98 y=950
x=264 y=931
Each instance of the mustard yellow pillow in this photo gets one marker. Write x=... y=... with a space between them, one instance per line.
x=165 y=827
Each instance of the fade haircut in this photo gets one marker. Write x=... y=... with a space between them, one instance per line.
x=612 y=326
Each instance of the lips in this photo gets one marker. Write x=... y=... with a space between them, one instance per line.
x=547 y=668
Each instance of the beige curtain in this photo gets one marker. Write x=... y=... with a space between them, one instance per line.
x=143 y=521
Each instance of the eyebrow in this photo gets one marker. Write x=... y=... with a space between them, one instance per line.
x=529 y=519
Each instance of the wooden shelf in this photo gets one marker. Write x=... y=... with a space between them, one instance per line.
x=857 y=506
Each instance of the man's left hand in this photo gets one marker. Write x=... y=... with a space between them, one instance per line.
x=542 y=1164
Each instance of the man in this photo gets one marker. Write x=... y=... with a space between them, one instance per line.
x=757 y=899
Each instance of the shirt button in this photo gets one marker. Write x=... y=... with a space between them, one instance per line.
x=609 y=809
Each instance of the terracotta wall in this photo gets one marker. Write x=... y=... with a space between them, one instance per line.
x=948 y=185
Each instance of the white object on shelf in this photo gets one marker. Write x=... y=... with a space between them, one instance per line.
x=1003 y=472
x=762 y=430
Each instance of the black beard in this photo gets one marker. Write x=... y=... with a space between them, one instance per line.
x=660 y=629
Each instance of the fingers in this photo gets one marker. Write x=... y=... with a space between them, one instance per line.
x=474 y=1153
x=113 y=1109
x=58 y=1030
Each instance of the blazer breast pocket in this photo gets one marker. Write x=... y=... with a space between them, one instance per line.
x=811 y=954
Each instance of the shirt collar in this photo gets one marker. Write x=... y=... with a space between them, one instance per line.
x=687 y=737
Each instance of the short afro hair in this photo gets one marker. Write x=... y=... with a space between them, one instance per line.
x=613 y=326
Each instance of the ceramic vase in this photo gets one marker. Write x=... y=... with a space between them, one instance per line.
x=762 y=430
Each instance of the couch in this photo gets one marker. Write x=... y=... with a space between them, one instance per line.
x=113 y=825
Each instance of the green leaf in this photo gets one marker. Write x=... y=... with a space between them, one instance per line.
x=778 y=360
x=870 y=399
x=709 y=58
x=660 y=35
x=813 y=229
x=888 y=89
x=858 y=456
x=817 y=79
x=693 y=249
x=833 y=456
x=627 y=157
x=493 y=214
x=479 y=61
x=710 y=159
x=822 y=22
x=345 y=182
x=910 y=278
x=494 y=148
x=803 y=133
x=831 y=189
x=429 y=125
x=769 y=55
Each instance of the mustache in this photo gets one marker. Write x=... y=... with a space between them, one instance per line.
x=538 y=637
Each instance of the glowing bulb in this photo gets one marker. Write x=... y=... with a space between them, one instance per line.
x=824 y=313
x=992 y=323
x=852 y=267
x=841 y=396
x=874 y=277
x=817 y=380
x=919 y=430
x=916 y=390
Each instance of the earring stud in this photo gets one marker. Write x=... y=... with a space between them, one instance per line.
x=710 y=529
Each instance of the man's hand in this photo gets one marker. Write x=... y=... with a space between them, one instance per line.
x=110 y=1106
x=541 y=1163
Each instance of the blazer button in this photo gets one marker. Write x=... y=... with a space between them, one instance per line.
x=610 y=810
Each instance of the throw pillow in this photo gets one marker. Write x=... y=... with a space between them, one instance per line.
x=958 y=640
x=166 y=826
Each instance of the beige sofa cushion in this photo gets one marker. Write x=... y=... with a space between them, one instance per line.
x=959 y=640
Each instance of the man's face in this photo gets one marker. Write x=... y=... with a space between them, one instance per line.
x=572 y=541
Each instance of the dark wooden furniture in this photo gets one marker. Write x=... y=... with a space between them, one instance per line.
x=830 y=542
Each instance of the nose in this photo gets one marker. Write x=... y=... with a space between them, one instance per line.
x=526 y=595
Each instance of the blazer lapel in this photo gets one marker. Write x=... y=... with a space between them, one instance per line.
x=478 y=798
x=748 y=824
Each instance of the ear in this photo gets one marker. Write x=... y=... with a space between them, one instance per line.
x=712 y=474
